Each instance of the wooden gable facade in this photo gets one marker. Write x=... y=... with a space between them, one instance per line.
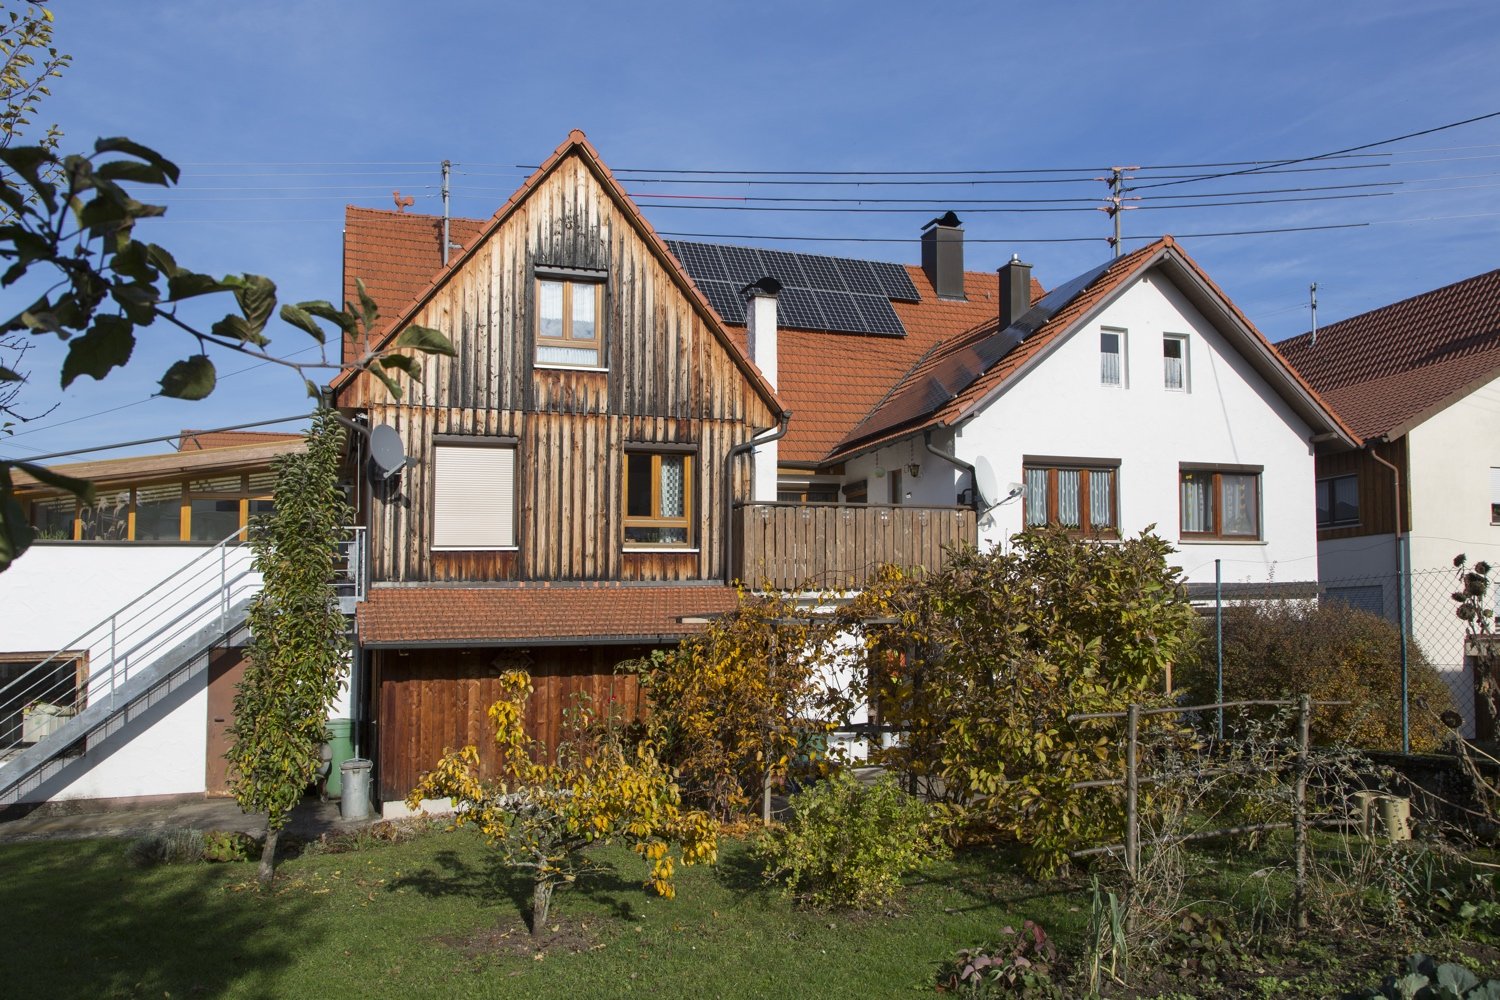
x=669 y=380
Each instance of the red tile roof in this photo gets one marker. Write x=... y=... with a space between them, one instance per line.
x=203 y=440
x=414 y=616
x=1387 y=370
x=397 y=255
x=828 y=380
x=907 y=394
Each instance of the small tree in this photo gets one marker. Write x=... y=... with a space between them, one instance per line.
x=299 y=645
x=1014 y=642
x=542 y=815
x=735 y=705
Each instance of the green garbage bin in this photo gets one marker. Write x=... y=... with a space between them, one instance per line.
x=341 y=740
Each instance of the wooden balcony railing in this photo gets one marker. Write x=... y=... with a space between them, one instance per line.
x=791 y=546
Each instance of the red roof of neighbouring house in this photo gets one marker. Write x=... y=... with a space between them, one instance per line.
x=537 y=613
x=952 y=381
x=396 y=255
x=191 y=440
x=1389 y=369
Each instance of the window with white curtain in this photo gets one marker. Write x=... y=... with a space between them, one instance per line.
x=569 y=322
x=1112 y=357
x=1494 y=496
x=1174 y=359
x=474 y=496
x=658 y=499
x=1079 y=498
x=1220 y=504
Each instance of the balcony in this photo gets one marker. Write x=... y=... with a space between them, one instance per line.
x=792 y=546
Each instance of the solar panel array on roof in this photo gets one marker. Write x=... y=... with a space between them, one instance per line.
x=947 y=376
x=818 y=292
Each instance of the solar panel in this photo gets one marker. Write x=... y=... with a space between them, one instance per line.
x=818 y=292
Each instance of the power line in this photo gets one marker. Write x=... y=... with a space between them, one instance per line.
x=1334 y=153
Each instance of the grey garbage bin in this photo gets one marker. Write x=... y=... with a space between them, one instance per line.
x=354 y=797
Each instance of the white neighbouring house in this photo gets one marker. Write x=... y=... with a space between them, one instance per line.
x=1135 y=395
x=1417 y=382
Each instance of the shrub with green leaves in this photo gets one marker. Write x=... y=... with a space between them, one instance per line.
x=1424 y=979
x=848 y=843
x=1333 y=652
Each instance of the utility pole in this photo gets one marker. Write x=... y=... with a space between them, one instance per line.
x=1114 y=200
x=447 y=168
x=1312 y=296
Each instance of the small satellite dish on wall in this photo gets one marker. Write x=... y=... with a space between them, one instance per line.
x=986 y=483
x=387 y=453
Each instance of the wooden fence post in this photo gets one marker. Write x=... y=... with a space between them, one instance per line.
x=1299 y=819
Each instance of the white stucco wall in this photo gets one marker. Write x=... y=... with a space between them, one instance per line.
x=1060 y=409
x=55 y=594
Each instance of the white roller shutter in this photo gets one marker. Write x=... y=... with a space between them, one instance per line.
x=1494 y=495
x=474 y=497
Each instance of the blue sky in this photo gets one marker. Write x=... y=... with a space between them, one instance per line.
x=281 y=113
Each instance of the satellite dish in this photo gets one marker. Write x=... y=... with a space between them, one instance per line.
x=387 y=453
x=986 y=483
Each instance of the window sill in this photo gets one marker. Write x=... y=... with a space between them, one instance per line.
x=1196 y=540
x=569 y=368
x=662 y=548
x=476 y=548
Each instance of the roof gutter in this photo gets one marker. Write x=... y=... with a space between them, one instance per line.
x=1402 y=586
x=740 y=449
x=955 y=460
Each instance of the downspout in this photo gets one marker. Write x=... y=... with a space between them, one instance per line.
x=1401 y=587
x=740 y=449
x=955 y=460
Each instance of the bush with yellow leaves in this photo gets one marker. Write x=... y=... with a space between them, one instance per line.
x=542 y=815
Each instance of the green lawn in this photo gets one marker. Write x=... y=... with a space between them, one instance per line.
x=394 y=921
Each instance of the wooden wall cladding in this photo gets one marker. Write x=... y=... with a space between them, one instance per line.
x=1377 y=495
x=434 y=700
x=669 y=380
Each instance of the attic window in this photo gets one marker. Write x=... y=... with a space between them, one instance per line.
x=569 y=319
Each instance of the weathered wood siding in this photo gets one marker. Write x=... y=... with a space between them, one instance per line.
x=1377 y=496
x=670 y=380
x=790 y=546
x=434 y=700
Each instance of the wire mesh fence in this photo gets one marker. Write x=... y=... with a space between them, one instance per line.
x=1439 y=674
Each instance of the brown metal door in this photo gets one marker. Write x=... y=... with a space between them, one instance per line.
x=225 y=668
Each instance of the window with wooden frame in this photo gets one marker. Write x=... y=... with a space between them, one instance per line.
x=1337 y=501
x=474 y=494
x=1220 y=503
x=1081 y=498
x=569 y=319
x=658 y=499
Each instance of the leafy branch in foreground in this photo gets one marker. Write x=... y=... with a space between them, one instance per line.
x=73 y=218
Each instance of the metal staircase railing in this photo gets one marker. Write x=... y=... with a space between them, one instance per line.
x=93 y=684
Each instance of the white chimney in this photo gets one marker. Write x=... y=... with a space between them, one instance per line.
x=760 y=333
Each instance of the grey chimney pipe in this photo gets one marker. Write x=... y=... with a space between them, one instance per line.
x=1015 y=290
x=943 y=255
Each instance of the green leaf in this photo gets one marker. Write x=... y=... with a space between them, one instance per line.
x=368 y=309
x=80 y=488
x=105 y=346
x=120 y=144
x=302 y=320
x=402 y=362
x=191 y=378
x=323 y=309
x=390 y=383
x=28 y=162
x=238 y=328
x=129 y=170
x=186 y=284
x=256 y=295
x=425 y=339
